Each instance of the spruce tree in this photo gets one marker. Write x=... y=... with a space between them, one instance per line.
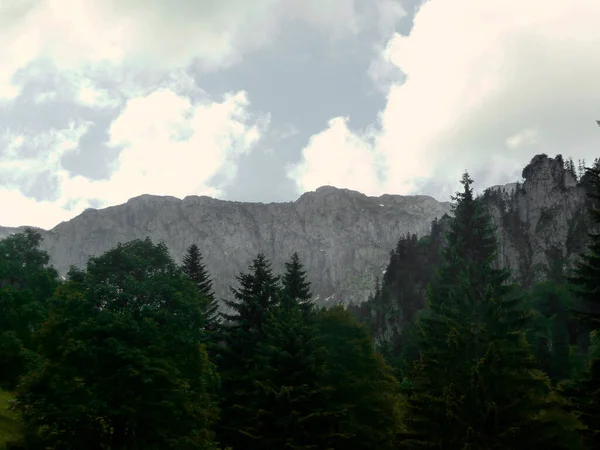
x=288 y=407
x=195 y=269
x=585 y=283
x=476 y=384
x=295 y=283
x=254 y=300
x=257 y=294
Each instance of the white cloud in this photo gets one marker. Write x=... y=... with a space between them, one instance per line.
x=170 y=147
x=352 y=165
x=487 y=82
x=28 y=156
x=155 y=34
x=17 y=210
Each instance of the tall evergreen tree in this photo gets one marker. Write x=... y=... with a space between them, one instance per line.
x=287 y=406
x=295 y=283
x=585 y=282
x=257 y=294
x=476 y=384
x=254 y=300
x=195 y=269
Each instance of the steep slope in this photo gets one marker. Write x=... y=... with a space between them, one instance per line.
x=542 y=222
x=542 y=225
x=343 y=237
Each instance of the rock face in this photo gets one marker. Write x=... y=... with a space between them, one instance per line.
x=342 y=237
x=543 y=222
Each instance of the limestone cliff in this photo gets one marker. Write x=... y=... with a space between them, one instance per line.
x=542 y=221
x=343 y=237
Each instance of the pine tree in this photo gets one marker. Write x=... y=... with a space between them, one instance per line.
x=476 y=384
x=194 y=268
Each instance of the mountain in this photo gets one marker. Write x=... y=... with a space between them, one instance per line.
x=342 y=236
x=542 y=223
x=541 y=226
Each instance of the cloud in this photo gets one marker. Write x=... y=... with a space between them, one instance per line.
x=486 y=83
x=155 y=34
x=170 y=146
x=18 y=209
x=352 y=164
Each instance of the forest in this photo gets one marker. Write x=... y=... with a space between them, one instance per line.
x=133 y=351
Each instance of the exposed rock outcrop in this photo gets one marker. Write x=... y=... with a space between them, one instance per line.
x=343 y=237
x=541 y=221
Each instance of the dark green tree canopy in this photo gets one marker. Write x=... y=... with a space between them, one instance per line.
x=123 y=357
x=27 y=281
x=195 y=269
x=257 y=293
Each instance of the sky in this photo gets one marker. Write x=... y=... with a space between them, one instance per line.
x=105 y=100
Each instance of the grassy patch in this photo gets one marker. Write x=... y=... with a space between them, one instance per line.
x=10 y=428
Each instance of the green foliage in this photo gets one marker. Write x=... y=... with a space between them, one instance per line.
x=256 y=295
x=287 y=403
x=294 y=282
x=391 y=310
x=365 y=399
x=122 y=361
x=585 y=282
x=11 y=432
x=122 y=354
x=242 y=331
x=554 y=335
x=477 y=384
x=26 y=282
x=195 y=269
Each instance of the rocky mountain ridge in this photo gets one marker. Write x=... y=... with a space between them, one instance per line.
x=342 y=236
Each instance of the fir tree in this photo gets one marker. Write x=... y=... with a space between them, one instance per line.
x=476 y=384
x=194 y=268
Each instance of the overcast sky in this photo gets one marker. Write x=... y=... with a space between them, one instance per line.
x=262 y=100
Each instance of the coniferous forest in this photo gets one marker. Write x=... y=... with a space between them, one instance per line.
x=131 y=352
